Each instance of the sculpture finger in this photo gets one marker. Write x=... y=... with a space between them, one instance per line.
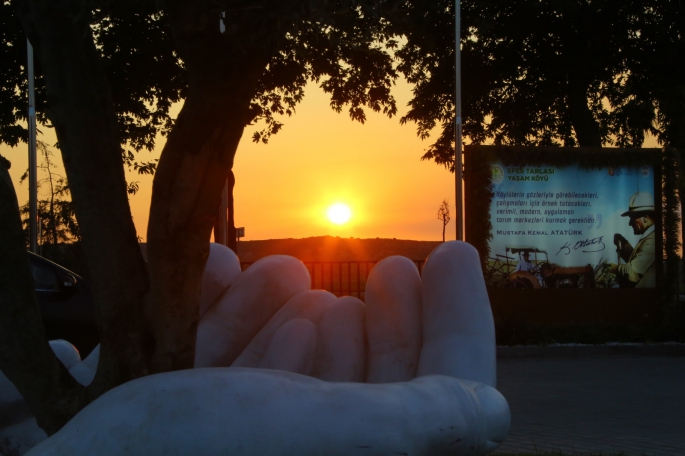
x=341 y=352
x=84 y=371
x=308 y=304
x=292 y=348
x=458 y=329
x=19 y=431
x=10 y=398
x=221 y=270
x=393 y=320
x=241 y=411
x=65 y=352
x=257 y=293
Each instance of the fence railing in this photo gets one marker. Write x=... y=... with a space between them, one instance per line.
x=342 y=278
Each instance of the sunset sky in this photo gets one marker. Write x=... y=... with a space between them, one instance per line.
x=284 y=189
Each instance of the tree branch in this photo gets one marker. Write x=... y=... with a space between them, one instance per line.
x=584 y=123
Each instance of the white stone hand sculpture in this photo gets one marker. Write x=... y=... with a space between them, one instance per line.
x=443 y=400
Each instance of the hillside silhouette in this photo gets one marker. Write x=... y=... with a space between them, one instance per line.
x=333 y=248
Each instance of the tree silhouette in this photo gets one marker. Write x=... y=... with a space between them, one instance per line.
x=546 y=72
x=57 y=220
x=234 y=62
x=444 y=216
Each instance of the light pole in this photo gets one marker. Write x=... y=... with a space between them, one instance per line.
x=457 y=124
x=33 y=165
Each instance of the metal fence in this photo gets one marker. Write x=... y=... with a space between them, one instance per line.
x=342 y=278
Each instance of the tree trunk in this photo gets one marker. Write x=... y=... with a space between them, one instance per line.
x=675 y=138
x=232 y=241
x=224 y=224
x=670 y=99
x=81 y=110
x=192 y=170
x=25 y=356
x=52 y=233
x=584 y=124
x=677 y=141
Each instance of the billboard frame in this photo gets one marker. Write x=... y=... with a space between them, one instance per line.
x=550 y=305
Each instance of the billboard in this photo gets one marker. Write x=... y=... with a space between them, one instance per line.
x=572 y=227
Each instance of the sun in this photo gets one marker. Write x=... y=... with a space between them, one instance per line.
x=339 y=213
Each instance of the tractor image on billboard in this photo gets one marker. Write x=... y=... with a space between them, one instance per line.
x=527 y=267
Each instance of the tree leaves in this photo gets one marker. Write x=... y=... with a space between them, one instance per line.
x=544 y=72
x=345 y=50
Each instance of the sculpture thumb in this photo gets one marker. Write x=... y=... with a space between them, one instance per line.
x=243 y=411
x=458 y=328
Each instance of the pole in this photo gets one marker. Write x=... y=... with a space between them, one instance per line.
x=33 y=165
x=457 y=126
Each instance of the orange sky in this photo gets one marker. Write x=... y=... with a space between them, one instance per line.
x=319 y=158
x=283 y=189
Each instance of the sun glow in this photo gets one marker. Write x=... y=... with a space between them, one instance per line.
x=339 y=213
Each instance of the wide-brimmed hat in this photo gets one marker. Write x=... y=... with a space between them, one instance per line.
x=640 y=203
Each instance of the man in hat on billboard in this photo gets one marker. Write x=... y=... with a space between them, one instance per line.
x=525 y=264
x=638 y=270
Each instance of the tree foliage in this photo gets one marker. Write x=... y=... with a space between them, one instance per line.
x=349 y=60
x=13 y=80
x=570 y=72
x=136 y=53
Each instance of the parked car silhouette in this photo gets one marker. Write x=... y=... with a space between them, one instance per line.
x=66 y=304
